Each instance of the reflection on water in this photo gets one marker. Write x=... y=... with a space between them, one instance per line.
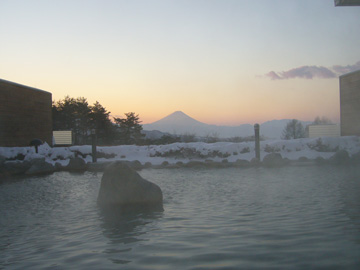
x=125 y=227
x=254 y=218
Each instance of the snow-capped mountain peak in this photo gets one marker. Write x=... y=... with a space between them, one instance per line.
x=177 y=118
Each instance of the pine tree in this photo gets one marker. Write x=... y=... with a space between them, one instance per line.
x=129 y=129
x=100 y=121
x=79 y=117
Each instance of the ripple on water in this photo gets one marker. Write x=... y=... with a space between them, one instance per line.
x=231 y=218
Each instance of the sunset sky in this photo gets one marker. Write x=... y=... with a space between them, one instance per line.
x=224 y=62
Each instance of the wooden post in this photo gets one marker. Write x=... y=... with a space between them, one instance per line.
x=93 y=140
x=257 y=141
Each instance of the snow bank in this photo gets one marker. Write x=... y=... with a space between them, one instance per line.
x=310 y=148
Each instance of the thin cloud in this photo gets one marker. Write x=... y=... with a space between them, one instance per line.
x=346 y=69
x=311 y=72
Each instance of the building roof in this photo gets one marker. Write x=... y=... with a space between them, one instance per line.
x=347 y=3
x=2 y=81
x=350 y=73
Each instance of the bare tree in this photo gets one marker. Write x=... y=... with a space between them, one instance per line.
x=322 y=121
x=212 y=137
x=294 y=129
x=188 y=137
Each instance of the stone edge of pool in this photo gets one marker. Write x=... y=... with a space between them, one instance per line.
x=39 y=166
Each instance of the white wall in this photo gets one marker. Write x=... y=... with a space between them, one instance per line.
x=324 y=131
x=62 y=137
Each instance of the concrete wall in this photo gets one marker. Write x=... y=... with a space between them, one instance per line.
x=25 y=114
x=324 y=131
x=350 y=104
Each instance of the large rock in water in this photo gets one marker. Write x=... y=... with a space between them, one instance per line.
x=122 y=186
x=273 y=160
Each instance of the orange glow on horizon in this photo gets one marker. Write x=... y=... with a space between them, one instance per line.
x=254 y=101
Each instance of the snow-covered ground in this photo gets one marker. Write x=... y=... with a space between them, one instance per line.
x=310 y=148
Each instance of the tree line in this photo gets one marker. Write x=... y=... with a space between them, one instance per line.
x=77 y=115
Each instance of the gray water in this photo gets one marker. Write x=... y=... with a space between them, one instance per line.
x=256 y=218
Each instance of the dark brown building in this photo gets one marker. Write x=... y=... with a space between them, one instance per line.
x=350 y=104
x=25 y=114
x=347 y=3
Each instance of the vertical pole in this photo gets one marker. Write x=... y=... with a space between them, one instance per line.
x=257 y=141
x=93 y=140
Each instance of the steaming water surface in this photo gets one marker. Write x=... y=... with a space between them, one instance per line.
x=287 y=218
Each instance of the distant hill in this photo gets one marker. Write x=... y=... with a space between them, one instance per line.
x=179 y=123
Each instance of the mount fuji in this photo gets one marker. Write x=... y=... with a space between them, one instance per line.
x=180 y=123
